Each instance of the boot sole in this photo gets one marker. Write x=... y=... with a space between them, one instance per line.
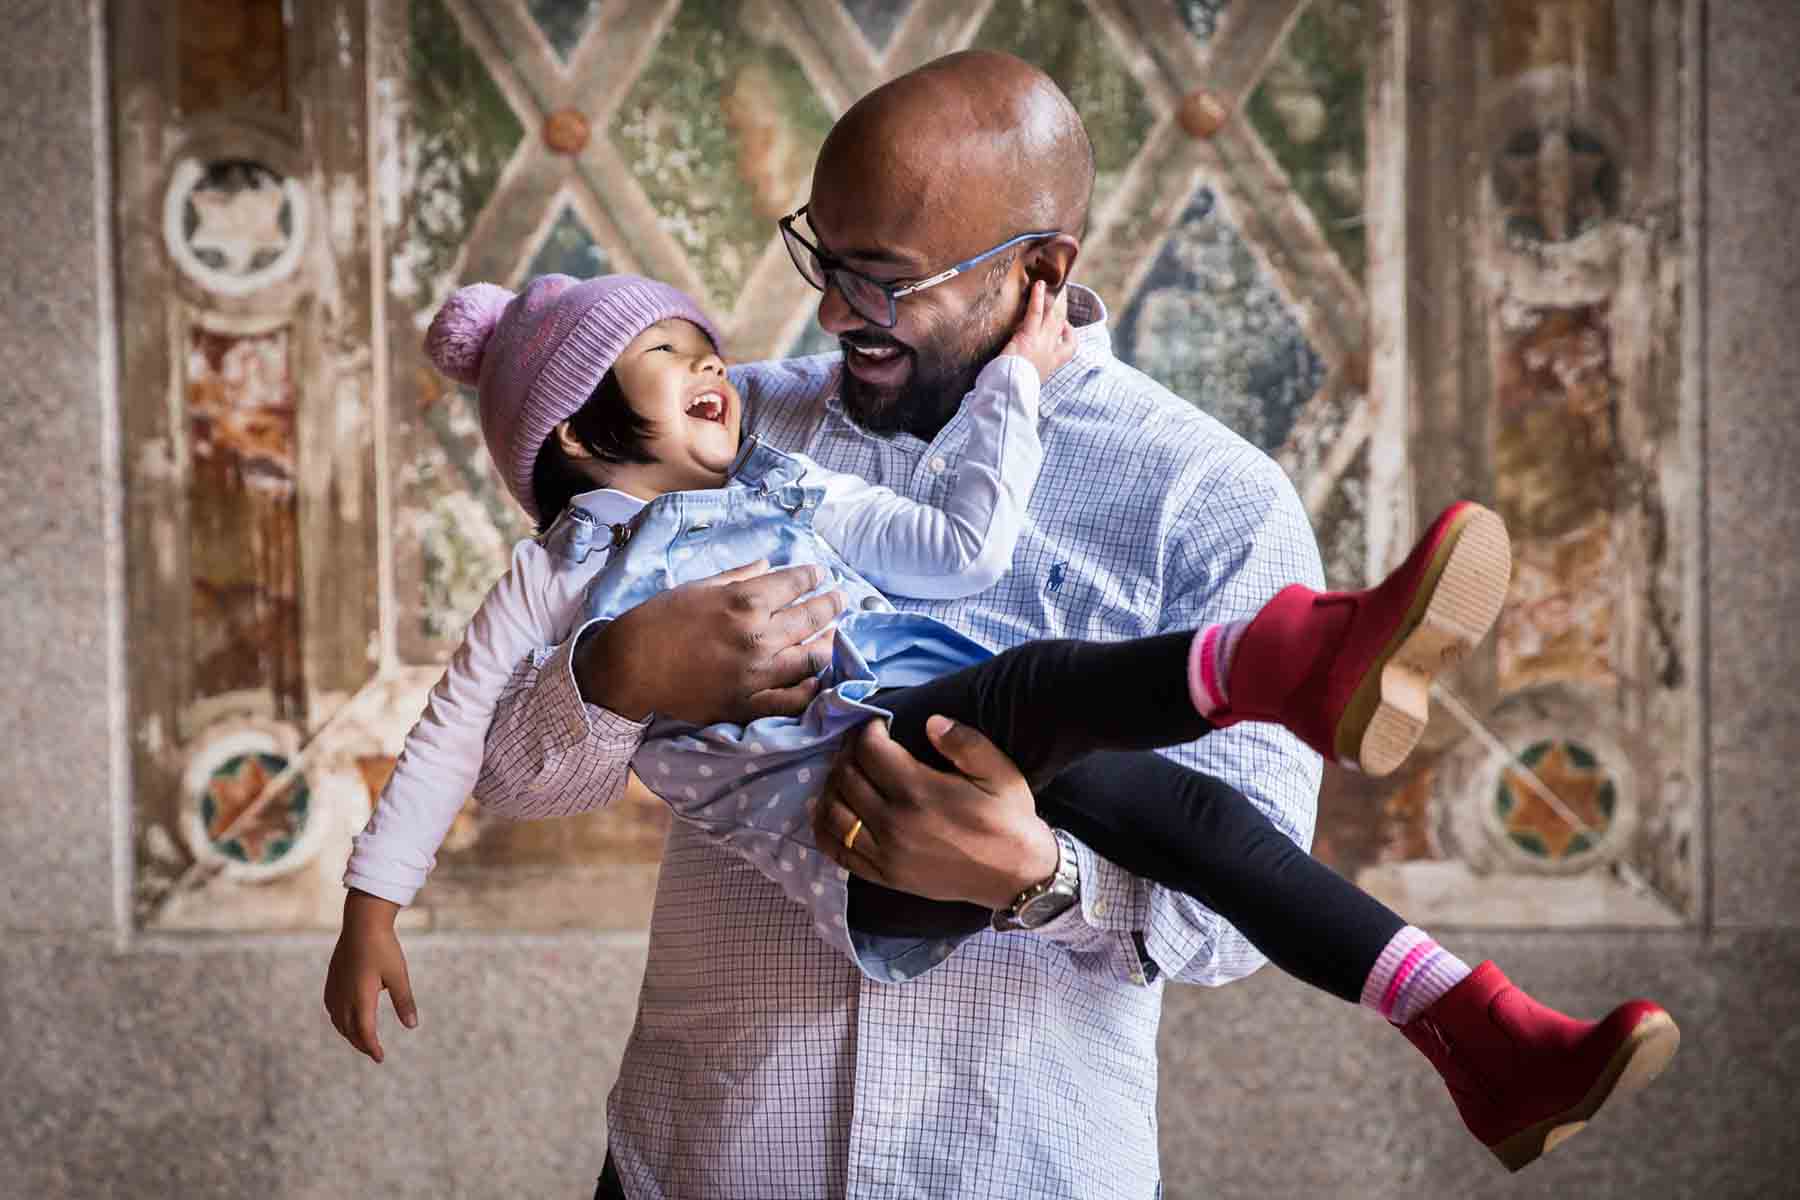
x=1459 y=599
x=1640 y=1059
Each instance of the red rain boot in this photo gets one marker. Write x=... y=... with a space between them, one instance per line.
x=1525 y=1078
x=1350 y=672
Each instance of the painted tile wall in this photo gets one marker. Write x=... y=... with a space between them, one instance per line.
x=1249 y=207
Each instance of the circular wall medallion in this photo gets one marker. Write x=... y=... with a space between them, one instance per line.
x=1556 y=802
x=232 y=225
x=223 y=823
x=1553 y=790
x=262 y=838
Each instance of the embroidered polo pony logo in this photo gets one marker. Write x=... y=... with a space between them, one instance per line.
x=1054 y=584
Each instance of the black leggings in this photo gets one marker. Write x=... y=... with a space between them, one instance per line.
x=1078 y=719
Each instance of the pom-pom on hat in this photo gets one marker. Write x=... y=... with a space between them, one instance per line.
x=536 y=357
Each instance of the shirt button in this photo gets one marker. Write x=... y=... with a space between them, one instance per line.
x=938 y=464
x=871 y=603
x=1100 y=907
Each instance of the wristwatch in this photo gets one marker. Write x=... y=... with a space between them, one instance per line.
x=1042 y=903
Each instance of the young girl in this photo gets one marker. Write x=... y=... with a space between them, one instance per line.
x=611 y=419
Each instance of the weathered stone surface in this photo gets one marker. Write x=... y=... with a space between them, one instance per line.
x=1752 y=365
x=211 y=1071
x=1269 y=1089
x=56 y=838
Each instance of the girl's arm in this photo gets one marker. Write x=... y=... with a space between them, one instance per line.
x=964 y=546
x=531 y=606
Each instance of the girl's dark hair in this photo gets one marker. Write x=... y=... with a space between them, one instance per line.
x=610 y=431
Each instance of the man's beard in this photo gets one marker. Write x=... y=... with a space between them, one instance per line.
x=941 y=376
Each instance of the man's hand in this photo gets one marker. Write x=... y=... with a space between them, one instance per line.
x=1044 y=337
x=730 y=648
x=367 y=959
x=974 y=836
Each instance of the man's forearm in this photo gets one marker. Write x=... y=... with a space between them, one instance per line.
x=604 y=673
x=548 y=753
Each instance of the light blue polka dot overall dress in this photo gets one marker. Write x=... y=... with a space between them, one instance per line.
x=753 y=786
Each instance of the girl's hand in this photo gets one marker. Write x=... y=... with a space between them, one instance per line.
x=1044 y=337
x=367 y=959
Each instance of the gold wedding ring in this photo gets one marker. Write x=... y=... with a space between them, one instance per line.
x=850 y=837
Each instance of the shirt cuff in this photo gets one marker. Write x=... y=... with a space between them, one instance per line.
x=1111 y=910
x=578 y=720
x=394 y=892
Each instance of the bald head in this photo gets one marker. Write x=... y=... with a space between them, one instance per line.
x=964 y=151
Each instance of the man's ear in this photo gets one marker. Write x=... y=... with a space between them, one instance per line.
x=1052 y=260
x=571 y=445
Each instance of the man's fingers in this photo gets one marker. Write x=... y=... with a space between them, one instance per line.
x=817 y=649
x=749 y=570
x=797 y=660
x=787 y=682
x=887 y=768
x=847 y=798
x=773 y=590
x=852 y=787
x=832 y=827
x=783 y=701
x=797 y=622
x=969 y=750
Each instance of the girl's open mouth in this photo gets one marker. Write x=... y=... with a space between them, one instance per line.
x=708 y=406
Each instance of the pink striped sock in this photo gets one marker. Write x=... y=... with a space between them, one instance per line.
x=1209 y=665
x=1411 y=973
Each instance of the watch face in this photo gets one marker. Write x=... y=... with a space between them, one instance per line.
x=1041 y=910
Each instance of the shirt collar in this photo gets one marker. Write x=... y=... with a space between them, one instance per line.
x=609 y=506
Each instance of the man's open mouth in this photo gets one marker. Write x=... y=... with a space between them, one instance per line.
x=874 y=363
x=708 y=406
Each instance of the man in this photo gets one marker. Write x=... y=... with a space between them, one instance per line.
x=763 y=1064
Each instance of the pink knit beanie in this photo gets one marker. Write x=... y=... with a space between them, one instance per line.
x=537 y=357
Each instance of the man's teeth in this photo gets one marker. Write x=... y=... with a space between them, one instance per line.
x=876 y=353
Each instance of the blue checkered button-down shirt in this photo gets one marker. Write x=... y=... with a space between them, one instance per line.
x=762 y=1064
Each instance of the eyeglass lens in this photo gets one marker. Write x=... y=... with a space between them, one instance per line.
x=862 y=295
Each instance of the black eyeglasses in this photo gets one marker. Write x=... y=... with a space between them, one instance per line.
x=871 y=299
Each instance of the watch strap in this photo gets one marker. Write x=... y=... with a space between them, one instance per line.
x=1057 y=894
